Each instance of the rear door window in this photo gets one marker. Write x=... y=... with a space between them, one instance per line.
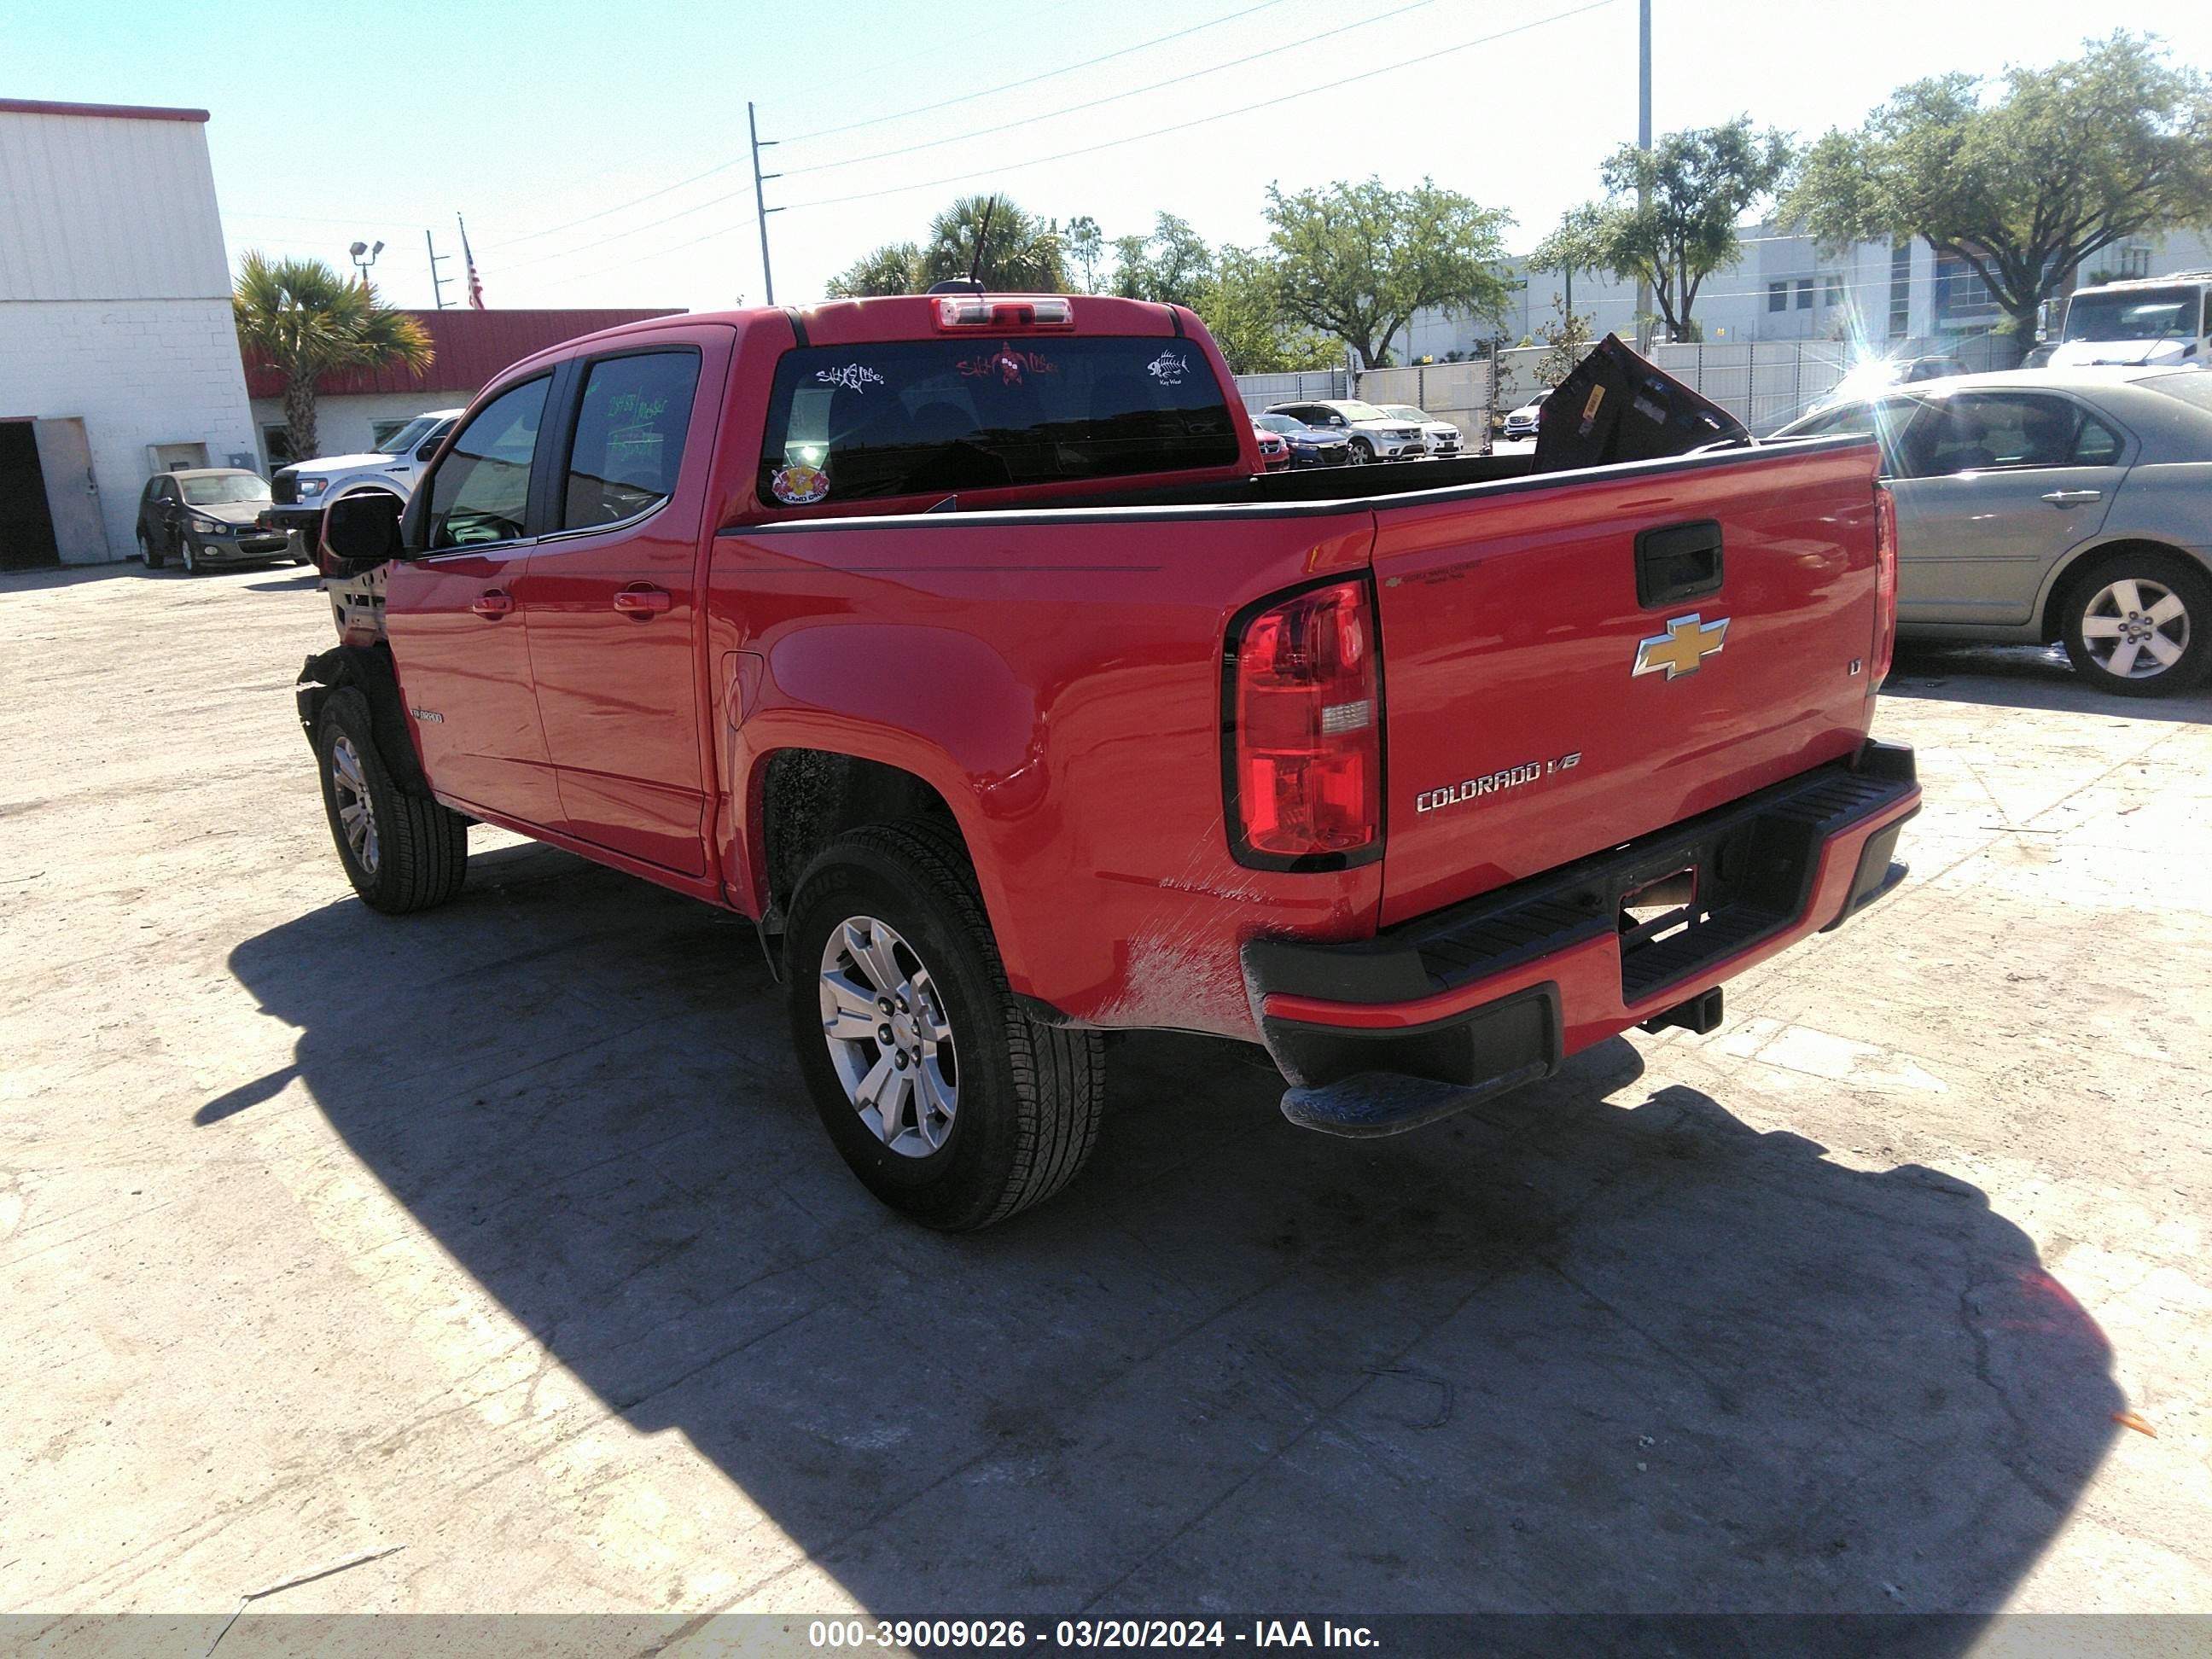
x=937 y=417
x=630 y=425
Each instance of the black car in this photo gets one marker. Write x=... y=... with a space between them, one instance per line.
x=1310 y=446
x=206 y=517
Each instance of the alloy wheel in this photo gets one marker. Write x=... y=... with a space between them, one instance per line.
x=889 y=1041
x=356 y=816
x=2136 y=628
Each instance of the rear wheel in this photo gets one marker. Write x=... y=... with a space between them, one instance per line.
x=2140 y=623
x=146 y=551
x=401 y=853
x=948 y=1102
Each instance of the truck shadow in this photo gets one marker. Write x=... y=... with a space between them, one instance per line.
x=1595 y=1348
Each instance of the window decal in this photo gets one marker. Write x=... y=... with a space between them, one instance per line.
x=853 y=377
x=1169 y=367
x=1007 y=366
x=800 y=484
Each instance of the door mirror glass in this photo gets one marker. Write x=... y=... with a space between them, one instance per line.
x=360 y=530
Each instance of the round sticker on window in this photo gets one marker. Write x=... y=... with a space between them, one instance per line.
x=800 y=484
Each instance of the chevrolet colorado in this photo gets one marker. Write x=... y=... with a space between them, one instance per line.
x=961 y=642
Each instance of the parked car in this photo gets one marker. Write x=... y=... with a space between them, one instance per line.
x=1522 y=422
x=301 y=492
x=2070 y=505
x=1309 y=446
x=2146 y=320
x=207 y=516
x=1442 y=437
x=1373 y=436
x=1274 y=451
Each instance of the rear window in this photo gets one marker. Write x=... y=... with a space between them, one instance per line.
x=936 y=416
x=2190 y=385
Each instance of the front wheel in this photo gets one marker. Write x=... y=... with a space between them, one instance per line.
x=948 y=1102
x=1363 y=453
x=401 y=853
x=190 y=557
x=2140 y=623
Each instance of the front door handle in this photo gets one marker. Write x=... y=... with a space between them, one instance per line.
x=642 y=600
x=493 y=604
x=2074 y=497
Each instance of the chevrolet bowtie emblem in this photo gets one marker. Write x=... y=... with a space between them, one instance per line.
x=1682 y=649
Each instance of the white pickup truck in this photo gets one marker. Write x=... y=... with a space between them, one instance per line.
x=299 y=492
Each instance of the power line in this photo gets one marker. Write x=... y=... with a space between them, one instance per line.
x=735 y=160
x=1111 y=98
x=1204 y=120
x=1031 y=81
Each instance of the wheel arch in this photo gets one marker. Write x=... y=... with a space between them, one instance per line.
x=369 y=670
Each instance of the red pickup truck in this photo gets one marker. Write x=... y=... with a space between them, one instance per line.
x=963 y=643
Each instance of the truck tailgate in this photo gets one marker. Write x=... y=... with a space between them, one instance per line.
x=1542 y=706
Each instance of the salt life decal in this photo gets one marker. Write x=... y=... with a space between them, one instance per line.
x=853 y=377
x=1007 y=366
x=800 y=484
x=1169 y=367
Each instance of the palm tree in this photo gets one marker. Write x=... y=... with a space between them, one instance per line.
x=1021 y=255
x=889 y=269
x=307 y=320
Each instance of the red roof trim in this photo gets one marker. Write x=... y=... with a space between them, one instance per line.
x=468 y=348
x=113 y=112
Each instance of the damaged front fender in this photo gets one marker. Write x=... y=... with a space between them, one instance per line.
x=368 y=669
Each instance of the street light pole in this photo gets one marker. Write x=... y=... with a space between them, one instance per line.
x=1644 y=326
x=760 y=202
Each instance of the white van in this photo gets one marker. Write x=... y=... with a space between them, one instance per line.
x=2156 y=320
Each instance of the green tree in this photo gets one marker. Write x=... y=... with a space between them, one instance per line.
x=2024 y=186
x=1355 y=262
x=306 y=320
x=1569 y=338
x=1087 y=246
x=1670 y=213
x=1171 y=266
x=1022 y=254
x=894 y=268
x=1242 y=309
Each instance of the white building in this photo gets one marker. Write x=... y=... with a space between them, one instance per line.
x=117 y=354
x=1901 y=301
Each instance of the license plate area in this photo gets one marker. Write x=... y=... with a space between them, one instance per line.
x=1687 y=905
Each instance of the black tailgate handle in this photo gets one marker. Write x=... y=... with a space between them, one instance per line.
x=1678 y=562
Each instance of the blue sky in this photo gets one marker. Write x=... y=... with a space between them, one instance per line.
x=599 y=150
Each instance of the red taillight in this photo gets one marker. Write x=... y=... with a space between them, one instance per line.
x=1305 y=746
x=1885 y=587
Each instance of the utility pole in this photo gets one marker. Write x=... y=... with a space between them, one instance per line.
x=1644 y=328
x=760 y=202
x=437 y=283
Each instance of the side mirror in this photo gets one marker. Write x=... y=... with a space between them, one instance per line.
x=359 y=531
x=424 y=451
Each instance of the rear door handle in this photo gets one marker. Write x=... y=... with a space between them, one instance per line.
x=2074 y=497
x=492 y=603
x=641 y=600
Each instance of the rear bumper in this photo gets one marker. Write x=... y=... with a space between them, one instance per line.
x=1385 y=1034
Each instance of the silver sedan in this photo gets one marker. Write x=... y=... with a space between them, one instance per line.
x=2053 y=504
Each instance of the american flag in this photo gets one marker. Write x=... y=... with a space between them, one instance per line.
x=476 y=285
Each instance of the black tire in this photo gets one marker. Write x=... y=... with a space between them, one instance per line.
x=1363 y=453
x=417 y=851
x=2191 y=629
x=187 y=555
x=1030 y=1097
x=154 y=561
